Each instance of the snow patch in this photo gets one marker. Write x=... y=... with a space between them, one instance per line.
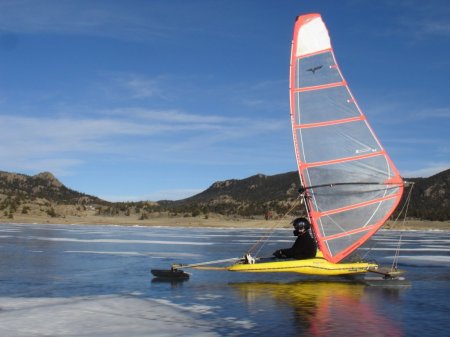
x=96 y=316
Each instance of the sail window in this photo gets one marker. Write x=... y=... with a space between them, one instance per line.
x=354 y=219
x=357 y=181
x=338 y=141
x=324 y=105
x=316 y=70
x=338 y=245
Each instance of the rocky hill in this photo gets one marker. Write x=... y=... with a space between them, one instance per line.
x=258 y=194
x=430 y=198
x=255 y=195
x=41 y=194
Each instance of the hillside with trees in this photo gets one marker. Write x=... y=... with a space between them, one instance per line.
x=430 y=198
x=41 y=194
x=255 y=196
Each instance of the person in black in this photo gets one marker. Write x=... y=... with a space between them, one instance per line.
x=304 y=247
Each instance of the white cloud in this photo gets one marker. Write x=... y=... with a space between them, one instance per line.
x=173 y=116
x=435 y=27
x=429 y=170
x=81 y=18
x=423 y=19
x=58 y=166
x=135 y=86
x=64 y=143
x=175 y=194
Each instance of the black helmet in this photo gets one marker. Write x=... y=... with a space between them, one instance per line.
x=301 y=224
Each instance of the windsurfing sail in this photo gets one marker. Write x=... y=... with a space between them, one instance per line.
x=352 y=186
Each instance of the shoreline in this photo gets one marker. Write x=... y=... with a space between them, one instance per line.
x=214 y=221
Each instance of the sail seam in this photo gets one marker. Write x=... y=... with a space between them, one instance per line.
x=320 y=87
x=323 y=51
x=355 y=231
x=332 y=122
x=342 y=160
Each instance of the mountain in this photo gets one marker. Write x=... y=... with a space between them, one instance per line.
x=41 y=194
x=257 y=195
x=43 y=185
x=257 y=188
x=430 y=197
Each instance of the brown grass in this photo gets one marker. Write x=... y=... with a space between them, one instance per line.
x=89 y=218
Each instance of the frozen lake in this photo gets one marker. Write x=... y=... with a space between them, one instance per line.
x=71 y=280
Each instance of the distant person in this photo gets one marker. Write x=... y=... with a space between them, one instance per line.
x=304 y=246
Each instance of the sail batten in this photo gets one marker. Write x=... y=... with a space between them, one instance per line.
x=331 y=122
x=344 y=159
x=351 y=184
x=321 y=87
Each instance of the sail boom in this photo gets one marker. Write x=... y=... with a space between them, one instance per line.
x=387 y=182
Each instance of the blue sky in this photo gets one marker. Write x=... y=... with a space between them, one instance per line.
x=158 y=99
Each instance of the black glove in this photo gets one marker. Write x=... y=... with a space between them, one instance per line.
x=279 y=254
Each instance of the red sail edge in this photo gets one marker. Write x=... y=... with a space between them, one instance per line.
x=334 y=144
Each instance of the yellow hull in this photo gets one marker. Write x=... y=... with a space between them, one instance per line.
x=314 y=266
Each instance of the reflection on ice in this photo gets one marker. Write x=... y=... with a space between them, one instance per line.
x=322 y=308
x=95 y=316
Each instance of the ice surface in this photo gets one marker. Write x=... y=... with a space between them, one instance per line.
x=95 y=316
x=123 y=241
x=158 y=255
x=440 y=249
x=435 y=259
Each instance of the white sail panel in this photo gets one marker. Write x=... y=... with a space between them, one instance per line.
x=351 y=184
x=313 y=36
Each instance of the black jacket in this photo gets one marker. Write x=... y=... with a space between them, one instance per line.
x=304 y=248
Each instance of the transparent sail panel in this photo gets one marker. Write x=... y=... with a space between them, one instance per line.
x=365 y=216
x=370 y=169
x=337 y=197
x=338 y=245
x=316 y=70
x=324 y=105
x=336 y=141
x=358 y=181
